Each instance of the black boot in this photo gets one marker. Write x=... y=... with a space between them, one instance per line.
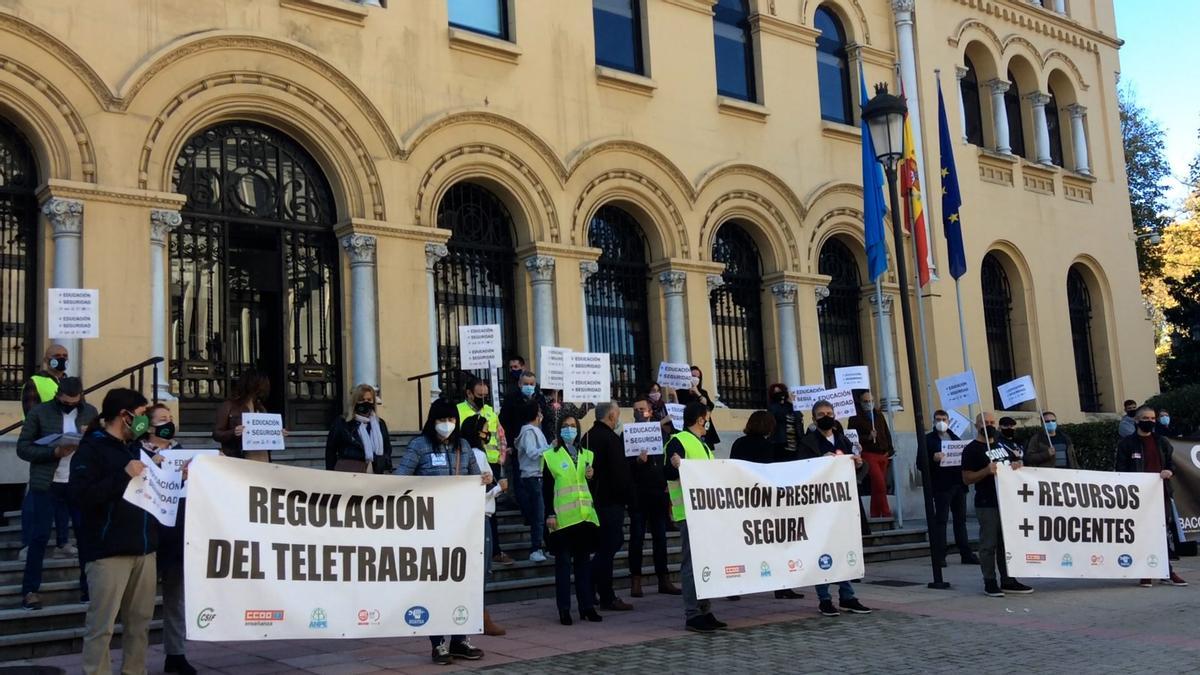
x=178 y=663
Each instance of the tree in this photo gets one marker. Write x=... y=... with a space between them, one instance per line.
x=1147 y=168
x=1179 y=366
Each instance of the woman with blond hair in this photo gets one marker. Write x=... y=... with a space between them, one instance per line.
x=360 y=442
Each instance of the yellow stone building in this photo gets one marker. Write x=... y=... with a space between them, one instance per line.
x=326 y=189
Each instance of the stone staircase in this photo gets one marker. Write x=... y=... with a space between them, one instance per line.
x=58 y=628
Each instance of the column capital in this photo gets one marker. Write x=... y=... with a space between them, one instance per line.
x=586 y=269
x=672 y=281
x=540 y=267
x=960 y=72
x=434 y=252
x=887 y=304
x=821 y=292
x=1037 y=99
x=997 y=86
x=360 y=248
x=903 y=7
x=65 y=216
x=714 y=282
x=785 y=292
x=162 y=222
x=1077 y=111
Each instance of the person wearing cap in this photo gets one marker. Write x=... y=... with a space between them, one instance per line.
x=45 y=500
x=42 y=386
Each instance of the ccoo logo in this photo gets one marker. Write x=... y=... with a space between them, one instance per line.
x=825 y=561
x=1125 y=560
x=416 y=616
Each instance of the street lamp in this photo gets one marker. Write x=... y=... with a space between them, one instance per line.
x=1155 y=237
x=884 y=115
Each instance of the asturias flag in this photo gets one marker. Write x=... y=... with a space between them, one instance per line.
x=874 y=206
x=951 y=198
x=910 y=181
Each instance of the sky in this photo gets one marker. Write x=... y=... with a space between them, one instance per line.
x=1160 y=59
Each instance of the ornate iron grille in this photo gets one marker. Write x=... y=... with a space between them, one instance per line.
x=1079 y=306
x=997 y=321
x=18 y=260
x=838 y=315
x=473 y=284
x=617 y=317
x=254 y=276
x=737 y=320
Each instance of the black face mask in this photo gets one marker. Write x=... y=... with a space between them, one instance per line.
x=781 y=396
x=1008 y=433
x=1146 y=425
x=990 y=430
x=826 y=423
x=165 y=431
x=515 y=374
x=364 y=408
x=67 y=407
x=58 y=364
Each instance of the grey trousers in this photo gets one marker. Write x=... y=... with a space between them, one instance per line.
x=174 y=618
x=991 y=544
x=692 y=607
x=122 y=584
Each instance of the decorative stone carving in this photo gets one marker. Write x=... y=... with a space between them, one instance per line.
x=714 y=282
x=672 y=281
x=434 y=253
x=65 y=216
x=821 y=292
x=586 y=269
x=541 y=268
x=162 y=222
x=784 y=292
x=361 y=248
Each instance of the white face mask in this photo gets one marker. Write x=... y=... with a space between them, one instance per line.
x=942 y=426
x=444 y=429
x=695 y=381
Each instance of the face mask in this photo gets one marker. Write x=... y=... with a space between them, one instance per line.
x=528 y=389
x=695 y=382
x=364 y=408
x=942 y=426
x=515 y=373
x=1008 y=433
x=825 y=423
x=654 y=396
x=990 y=430
x=1165 y=420
x=67 y=407
x=165 y=431
x=138 y=425
x=444 y=429
x=1051 y=426
x=58 y=364
x=1146 y=425
x=868 y=405
x=569 y=434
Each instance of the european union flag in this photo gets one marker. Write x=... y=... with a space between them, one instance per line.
x=951 y=197
x=874 y=206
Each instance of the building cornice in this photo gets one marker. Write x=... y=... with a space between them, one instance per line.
x=380 y=228
x=1032 y=18
x=91 y=192
x=702 y=6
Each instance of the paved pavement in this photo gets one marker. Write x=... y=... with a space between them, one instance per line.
x=1067 y=625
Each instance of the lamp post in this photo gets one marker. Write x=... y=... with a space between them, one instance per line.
x=884 y=115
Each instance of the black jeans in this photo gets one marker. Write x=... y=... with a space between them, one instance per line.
x=651 y=515
x=946 y=502
x=566 y=560
x=612 y=537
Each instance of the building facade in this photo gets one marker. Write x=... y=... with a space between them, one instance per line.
x=326 y=190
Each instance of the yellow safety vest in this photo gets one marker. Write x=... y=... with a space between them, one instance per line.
x=572 y=499
x=47 y=387
x=493 y=421
x=693 y=448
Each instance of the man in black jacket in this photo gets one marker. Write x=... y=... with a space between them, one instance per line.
x=949 y=494
x=1146 y=451
x=612 y=492
x=648 y=511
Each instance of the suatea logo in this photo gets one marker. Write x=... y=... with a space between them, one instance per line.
x=416 y=616
x=205 y=618
x=263 y=617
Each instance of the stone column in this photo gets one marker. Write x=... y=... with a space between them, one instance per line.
x=1000 y=115
x=162 y=223
x=586 y=269
x=889 y=395
x=66 y=220
x=541 y=276
x=672 y=284
x=364 y=301
x=433 y=253
x=820 y=293
x=959 y=73
x=1041 y=127
x=713 y=282
x=789 y=346
x=1059 y=6
x=1079 y=139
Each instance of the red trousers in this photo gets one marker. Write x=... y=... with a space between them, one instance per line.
x=877 y=464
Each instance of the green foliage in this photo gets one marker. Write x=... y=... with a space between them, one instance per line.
x=1095 y=442
x=1184 y=405
x=1147 y=168
x=1179 y=365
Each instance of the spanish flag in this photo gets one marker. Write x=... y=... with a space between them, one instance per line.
x=914 y=211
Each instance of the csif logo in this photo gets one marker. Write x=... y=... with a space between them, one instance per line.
x=205 y=618
x=706 y=574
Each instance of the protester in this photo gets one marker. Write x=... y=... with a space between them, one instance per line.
x=828 y=440
x=648 y=510
x=531 y=443
x=476 y=403
x=789 y=423
x=359 y=443
x=475 y=432
x=1164 y=423
x=689 y=444
x=1128 y=423
x=170 y=550
x=1008 y=437
x=118 y=540
x=571 y=520
x=612 y=492
x=658 y=405
x=512 y=409
x=1051 y=448
x=516 y=368
x=1146 y=451
x=46 y=500
x=42 y=386
x=949 y=494
x=981 y=460
x=877 y=450
x=249 y=395
x=697 y=394
x=439 y=451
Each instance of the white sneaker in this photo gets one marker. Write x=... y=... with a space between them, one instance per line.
x=68 y=551
x=537 y=556
x=23 y=553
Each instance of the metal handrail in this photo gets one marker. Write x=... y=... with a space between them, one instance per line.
x=137 y=380
x=421 y=394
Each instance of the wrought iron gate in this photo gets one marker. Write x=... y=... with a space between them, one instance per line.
x=617 y=317
x=18 y=261
x=1079 y=306
x=737 y=320
x=997 y=321
x=838 y=315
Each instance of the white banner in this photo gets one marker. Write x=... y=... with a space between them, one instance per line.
x=553 y=367
x=957 y=391
x=479 y=347
x=675 y=410
x=178 y=458
x=855 y=442
x=842 y=400
x=156 y=490
x=767 y=527
x=1090 y=524
x=275 y=552
x=960 y=425
x=262 y=431
x=804 y=397
x=674 y=375
x=1017 y=391
x=852 y=377
x=639 y=436
x=589 y=379
x=73 y=313
x=952 y=452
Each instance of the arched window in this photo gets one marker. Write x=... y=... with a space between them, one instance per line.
x=254 y=276
x=18 y=259
x=1054 y=128
x=997 y=321
x=617 y=319
x=837 y=315
x=1016 y=128
x=617 y=27
x=1079 y=308
x=473 y=285
x=734 y=50
x=971 y=107
x=833 y=70
x=737 y=319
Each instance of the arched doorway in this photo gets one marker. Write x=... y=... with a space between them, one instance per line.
x=997 y=321
x=838 y=315
x=617 y=318
x=1079 y=308
x=18 y=250
x=737 y=319
x=473 y=284
x=254 y=276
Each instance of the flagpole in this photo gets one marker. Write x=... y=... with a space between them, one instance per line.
x=885 y=379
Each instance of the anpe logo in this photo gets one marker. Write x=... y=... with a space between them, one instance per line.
x=318 y=620
x=1125 y=560
x=416 y=616
x=1097 y=560
x=764 y=570
x=1035 y=557
x=734 y=571
x=825 y=561
x=263 y=617
x=706 y=574
x=205 y=618
x=1067 y=560
x=368 y=617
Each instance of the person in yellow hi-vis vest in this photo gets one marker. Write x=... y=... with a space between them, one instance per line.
x=43 y=386
x=571 y=520
x=689 y=444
